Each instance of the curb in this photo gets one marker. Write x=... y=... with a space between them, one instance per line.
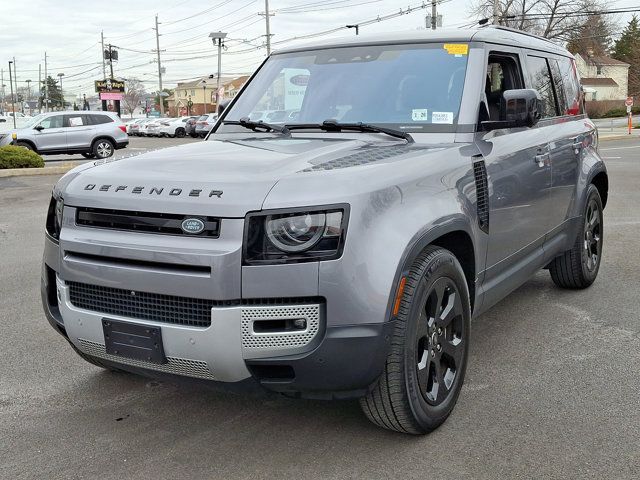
x=28 y=172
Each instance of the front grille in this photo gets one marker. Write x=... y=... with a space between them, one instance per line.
x=146 y=222
x=195 y=312
x=143 y=305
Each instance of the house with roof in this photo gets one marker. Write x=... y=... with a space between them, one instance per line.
x=602 y=77
x=197 y=97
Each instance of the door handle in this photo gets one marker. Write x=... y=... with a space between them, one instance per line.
x=542 y=159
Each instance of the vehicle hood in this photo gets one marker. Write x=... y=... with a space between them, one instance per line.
x=226 y=177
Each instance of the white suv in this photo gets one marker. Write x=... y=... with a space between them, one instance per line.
x=92 y=134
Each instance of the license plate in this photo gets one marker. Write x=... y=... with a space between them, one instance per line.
x=130 y=340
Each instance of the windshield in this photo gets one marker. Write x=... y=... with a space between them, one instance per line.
x=411 y=87
x=33 y=121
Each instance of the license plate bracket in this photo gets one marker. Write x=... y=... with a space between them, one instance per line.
x=132 y=340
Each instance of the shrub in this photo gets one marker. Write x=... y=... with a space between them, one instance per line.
x=19 y=157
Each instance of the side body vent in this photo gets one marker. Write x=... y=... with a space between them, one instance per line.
x=482 y=194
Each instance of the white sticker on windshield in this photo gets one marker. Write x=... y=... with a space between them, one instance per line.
x=442 y=117
x=419 y=114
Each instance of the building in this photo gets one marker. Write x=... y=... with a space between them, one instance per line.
x=197 y=97
x=603 y=78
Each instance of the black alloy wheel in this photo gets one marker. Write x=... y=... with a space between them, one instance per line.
x=440 y=341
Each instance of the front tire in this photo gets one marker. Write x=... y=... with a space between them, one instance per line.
x=578 y=267
x=425 y=367
x=26 y=145
x=180 y=133
x=103 y=148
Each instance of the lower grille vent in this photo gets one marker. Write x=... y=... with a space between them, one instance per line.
x=482 y=194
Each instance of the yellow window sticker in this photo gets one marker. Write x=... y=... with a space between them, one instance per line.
x=456 y=48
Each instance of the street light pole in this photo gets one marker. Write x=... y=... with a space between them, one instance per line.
x=220 y=36
x=204 y=97
x=28 y=82
x=13 y=107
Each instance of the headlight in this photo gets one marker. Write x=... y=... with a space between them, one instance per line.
x=54 y=216
x=295 y=236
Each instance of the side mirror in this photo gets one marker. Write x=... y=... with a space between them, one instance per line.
x=223 y=105
x=523 y=108
x=38 y=128
x=518 y=108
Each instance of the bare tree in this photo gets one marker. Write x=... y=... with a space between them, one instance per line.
x=133 y=95
x=558 y=20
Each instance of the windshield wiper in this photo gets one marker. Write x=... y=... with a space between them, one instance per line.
x=268 y=127
x=335 y=126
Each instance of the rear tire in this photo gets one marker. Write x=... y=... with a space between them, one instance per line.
x=578 y=267
x=425 y=367
x=103 y=148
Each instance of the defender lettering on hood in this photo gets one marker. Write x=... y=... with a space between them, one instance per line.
x=174 y=192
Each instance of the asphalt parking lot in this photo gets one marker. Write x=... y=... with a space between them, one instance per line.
x=552 y=389
x=136 y=146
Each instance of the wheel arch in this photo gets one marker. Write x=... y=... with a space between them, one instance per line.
x=33 y=145
x=455 y=236
x=103 y=137
x=601 y=181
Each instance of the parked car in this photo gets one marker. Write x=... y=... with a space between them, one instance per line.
x=152 y=128
x=205 y=123
x=345 y=255
x=174 y=127
x=137 y=128
x=129 y=124
x=93 y=134
x=190 y=127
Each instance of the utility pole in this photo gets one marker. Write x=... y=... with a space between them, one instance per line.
x=15 y=79
x=104 y=68
x=13 y=107
x=39 y=88
x=160 y=97
x=46 y=85
x=2 y=88
x=434 y=15
x=266 y=18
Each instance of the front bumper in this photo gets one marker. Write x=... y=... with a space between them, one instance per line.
x=335 y=362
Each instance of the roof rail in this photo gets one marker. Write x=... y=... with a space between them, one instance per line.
x=521 y=32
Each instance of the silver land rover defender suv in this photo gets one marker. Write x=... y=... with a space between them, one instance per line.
x=414 y=181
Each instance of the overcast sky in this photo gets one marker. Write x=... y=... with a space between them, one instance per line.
x=69 y=31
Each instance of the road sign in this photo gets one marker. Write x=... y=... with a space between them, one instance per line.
x=629 y=102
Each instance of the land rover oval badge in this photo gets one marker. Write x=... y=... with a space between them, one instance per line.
x=192 y=225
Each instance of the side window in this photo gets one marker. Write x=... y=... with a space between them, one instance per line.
x=99 y=119
x=54 y=121
x=75 y=121
x=541 y=80
x=570 y=86
x=503 y=73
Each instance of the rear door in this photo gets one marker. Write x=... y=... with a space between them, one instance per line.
x=79 y=128
x=53 y=135
x=570 y=134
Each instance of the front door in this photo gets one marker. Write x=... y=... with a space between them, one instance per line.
x=52 y=136
x=517 y=163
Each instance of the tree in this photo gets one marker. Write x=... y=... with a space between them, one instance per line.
x=55 y=95
x=593 y=37
x=557 y=20
x=627 y=49
x=628 y=41
x=133 y=95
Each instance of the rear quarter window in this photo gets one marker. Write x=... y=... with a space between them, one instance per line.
x=98 y=119
x=540 y=77
x=565 y=78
